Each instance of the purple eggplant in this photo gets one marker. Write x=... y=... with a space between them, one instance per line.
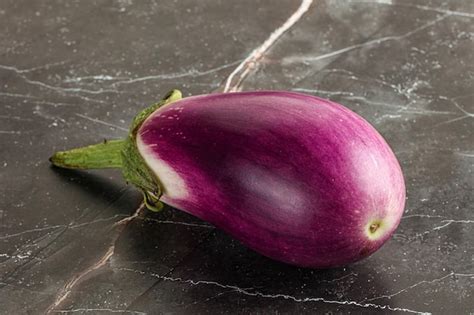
x=296 y=178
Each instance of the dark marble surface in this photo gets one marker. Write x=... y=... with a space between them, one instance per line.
x=75 y=72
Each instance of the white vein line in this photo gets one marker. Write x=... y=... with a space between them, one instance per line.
x=440 y=226
x=271 y=296
x=351 y=75
x=427 y=8
x=376 y=41
x=101 y=122
x=389 y=296
x=52 y=103
x=193 y=73
x=97 y=221
x=451 y=121
x=51 y=87
x=444 y=224
x=457 y=105
x=10 y=132
x=350 y=96
x=258 y=52
x=16 y=95
x=449 y=222
x=63 y=89
x=90 y=99
x=326 y=92
x=51 y=227
x=389 y=116
x=66 y=290
x=100 y=77
x=466 y=154
x=17 y=70
x=86 y=310
x=422 y=216
x=424 y=111
x=400 y=108
x=12 y=68
x=31 y=231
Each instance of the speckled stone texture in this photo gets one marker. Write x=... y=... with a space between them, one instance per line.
x=75 y=72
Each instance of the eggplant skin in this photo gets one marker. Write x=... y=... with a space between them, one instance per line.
x=297 y=178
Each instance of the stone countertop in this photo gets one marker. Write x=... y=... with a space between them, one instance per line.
x=75 y=72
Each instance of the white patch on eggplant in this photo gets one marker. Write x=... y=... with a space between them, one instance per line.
x=375 y=178
x=174 y=186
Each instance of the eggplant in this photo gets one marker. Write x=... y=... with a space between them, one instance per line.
x=297 y=178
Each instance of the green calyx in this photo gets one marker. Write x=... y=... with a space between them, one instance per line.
x=121 y=154
x=134 y=168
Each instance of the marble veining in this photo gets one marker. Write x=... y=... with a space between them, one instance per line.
x=74 y=73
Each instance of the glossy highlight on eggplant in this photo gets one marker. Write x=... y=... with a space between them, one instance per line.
x=297 y=178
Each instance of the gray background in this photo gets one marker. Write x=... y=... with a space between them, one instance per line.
x=75 y=72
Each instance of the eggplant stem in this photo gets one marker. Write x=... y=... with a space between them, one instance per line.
x=121 y=154
x=107 y=154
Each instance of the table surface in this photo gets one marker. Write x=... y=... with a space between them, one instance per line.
x=76 y=72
